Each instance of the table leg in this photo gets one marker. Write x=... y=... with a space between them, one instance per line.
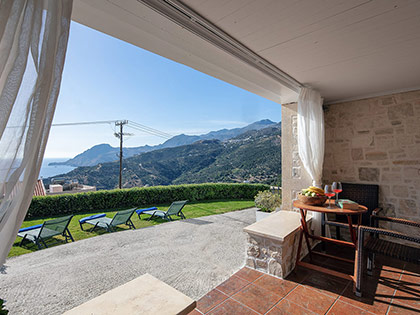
x=358 y=262
x=299 y=247
x=352 y=232
x=323 y=230
x=356 y=271
x=306 y=231
x=359 y=223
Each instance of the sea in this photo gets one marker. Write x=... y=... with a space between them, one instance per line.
x=49 y=171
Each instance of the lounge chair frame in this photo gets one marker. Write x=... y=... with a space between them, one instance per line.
x=110 y=224
x=48 y=230
x=371 y=245
x=174 y=209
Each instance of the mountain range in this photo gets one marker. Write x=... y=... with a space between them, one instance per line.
x=102 y=153
x=252 y=156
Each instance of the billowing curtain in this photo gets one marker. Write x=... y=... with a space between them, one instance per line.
x=33 y=44
x=311 y=140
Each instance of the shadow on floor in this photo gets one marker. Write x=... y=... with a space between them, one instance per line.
x=196 y=221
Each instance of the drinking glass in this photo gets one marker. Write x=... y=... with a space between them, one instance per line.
x=329 y=193
x=337 y=188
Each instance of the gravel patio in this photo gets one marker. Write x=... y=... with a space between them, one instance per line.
x=193 y=256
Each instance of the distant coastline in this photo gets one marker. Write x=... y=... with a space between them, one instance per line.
x=103 y=153
x=53 y=166
x=60 y=163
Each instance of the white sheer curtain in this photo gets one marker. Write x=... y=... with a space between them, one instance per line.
x=33 y=44
x=311 y=140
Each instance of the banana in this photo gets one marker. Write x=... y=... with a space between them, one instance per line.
x=316 y=190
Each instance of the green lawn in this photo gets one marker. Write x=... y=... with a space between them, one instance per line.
x=191 y=210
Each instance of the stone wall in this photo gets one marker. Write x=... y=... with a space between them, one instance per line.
x=273 y=243
x=272 y=256
x=377 y=141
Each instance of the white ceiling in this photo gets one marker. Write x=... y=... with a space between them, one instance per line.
x=347 y=49
x=135 y=23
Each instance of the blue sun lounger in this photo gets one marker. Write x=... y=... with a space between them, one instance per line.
x=41 y=232
x=174 y=209
x=100 y=220
x=144 y=211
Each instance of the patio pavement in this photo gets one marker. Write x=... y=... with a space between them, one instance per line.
x=393 y=289
x=193 y=256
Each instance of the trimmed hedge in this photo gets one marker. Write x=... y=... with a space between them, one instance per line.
x=3 y=311
x=137 y=197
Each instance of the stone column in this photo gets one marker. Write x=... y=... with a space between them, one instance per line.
x=273 y=243
x=294 y=175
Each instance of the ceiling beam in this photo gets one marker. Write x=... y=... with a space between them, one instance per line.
x=187 y=18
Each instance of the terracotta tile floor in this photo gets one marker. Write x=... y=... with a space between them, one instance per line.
x=393 y=289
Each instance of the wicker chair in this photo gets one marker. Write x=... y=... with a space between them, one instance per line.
x=366 y=195
x=370 y=244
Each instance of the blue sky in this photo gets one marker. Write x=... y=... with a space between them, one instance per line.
x=107 y=79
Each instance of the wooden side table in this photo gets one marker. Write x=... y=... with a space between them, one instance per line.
x=305 y=232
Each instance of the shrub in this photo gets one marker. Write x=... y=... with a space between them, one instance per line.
x=267 y=201
x=65 y=204
x=3 y=311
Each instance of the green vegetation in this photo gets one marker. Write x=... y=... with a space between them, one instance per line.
x=253 y=156
x=191 y=210
x=3 y=311
x=103 y=153
x=66 y=204
x=267 y=201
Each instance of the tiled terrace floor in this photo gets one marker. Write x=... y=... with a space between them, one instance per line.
x=393 y=289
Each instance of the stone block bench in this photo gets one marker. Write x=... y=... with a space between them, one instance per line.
x=144 y=295
x=273 y=242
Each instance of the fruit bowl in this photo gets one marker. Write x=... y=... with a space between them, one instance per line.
x=312 y=201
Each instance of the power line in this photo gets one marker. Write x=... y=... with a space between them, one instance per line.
x=86 y=123
x=149 y=128
x=129 y=123
x=149 y=132
x=165 y=134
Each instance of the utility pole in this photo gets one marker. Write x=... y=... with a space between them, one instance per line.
x=121 y=135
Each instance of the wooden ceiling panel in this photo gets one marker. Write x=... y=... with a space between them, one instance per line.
x=344 y=48
x=323 y=43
